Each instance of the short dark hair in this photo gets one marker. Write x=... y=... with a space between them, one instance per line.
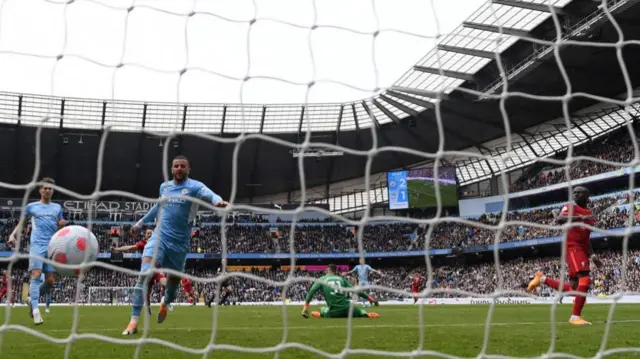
x=332 y=268
x=47 y=180
x=181 y=157
x=583 y=189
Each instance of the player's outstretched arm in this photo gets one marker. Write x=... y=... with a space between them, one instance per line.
x=376 y=271
x=61 y=221
x=17 y=231
x=206 y=194
x=314 y=288
x=149 y=217
x=350 y=272
x=124 y=248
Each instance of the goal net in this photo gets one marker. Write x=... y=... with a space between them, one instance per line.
x=110 y=295
x=157 y=68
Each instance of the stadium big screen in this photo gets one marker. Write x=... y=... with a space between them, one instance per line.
x=415 y=189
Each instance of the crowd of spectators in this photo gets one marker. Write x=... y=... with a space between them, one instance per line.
x=448 y=235
x=617 y=148
x=250 y=233
x=445 y=174
x=106 y=286
x=340 y=238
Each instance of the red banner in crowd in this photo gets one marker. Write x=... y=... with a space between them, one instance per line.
x=319 y=268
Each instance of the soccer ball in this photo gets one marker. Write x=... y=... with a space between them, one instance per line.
x=72 y=245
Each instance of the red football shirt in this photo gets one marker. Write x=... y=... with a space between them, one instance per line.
x=578 y=236
x=416 y=282
x=140 y=245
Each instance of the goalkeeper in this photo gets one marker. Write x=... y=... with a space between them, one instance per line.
x=337 y=302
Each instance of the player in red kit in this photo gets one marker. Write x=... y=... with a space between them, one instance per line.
x=4 y=286
x=159 y=278
x=188 y=291
x=416 y=284
x=579 y=252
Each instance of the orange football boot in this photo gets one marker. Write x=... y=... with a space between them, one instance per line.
x=132 y=329
x=162 y=313
x=579 y=321
x=535 y=282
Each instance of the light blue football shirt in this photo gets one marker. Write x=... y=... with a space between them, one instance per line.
x=44 y=221
x=177 y=214
x=363 y=272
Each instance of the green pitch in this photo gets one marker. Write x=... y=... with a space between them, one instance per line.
x=422 y=194
x=456 y=330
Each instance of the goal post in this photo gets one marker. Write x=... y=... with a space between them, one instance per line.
x=110 y=295
x=124 y=295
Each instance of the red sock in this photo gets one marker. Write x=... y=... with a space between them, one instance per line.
x=583 y=287
x=555 y=284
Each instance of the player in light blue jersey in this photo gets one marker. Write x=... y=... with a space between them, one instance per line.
x=171 y=240
x=47 y=296
x=46 y=218
x=363 y=270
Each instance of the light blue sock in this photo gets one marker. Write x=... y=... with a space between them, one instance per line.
x=138 y=292
x=48 y=299
x=170 y=292
x=34 y=291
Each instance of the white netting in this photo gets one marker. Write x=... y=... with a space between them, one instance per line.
x=110 y=295
x=169 y=129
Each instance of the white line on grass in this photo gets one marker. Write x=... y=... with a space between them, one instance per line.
x=325 y=327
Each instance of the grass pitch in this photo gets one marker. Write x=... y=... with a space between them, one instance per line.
x=455 y=330
x=422 y=194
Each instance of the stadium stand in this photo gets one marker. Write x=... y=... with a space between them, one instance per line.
x=614 y=147
x=416 y=113
x=251 y=233
x=479 y=278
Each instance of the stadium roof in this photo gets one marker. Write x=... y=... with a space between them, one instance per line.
x=544 y=140
x=405 y=115
x=457 y=58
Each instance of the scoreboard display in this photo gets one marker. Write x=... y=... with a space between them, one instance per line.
x=416 y=188
x=398 y=192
